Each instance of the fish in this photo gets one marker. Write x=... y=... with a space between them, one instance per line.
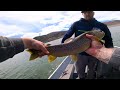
x=71 y=47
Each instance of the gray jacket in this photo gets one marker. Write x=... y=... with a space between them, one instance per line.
x=114 y=63
x=115 y=59
x=9 y=47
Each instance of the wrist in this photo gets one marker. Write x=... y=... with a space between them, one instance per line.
x=104 y=54
x=27 y=42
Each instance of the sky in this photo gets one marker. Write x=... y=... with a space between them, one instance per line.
x=34 y=23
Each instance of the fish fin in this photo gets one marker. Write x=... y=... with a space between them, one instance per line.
x=51 y=58
x=48 y=44
x=74 y=57
x=33 y=56
x=28 y=50
x=102 y=41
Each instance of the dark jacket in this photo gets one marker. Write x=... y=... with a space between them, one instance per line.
x=9 y=47
x=86 y=25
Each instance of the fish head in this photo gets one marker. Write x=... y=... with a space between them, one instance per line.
x=98 y=33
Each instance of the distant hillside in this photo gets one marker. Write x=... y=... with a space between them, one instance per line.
x=56 y=35
x=51 y=36
x=113 y=22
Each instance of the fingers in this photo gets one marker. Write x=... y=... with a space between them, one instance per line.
x=42 y=46
x=89 y=36
x=38 y=45
x=95 y=41
x=41 y=54
x=93 y=38
x=91 y=51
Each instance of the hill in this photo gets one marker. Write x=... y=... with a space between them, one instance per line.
x=51 y=36
x=113 y=22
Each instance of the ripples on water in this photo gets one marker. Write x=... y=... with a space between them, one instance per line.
x=19 y=67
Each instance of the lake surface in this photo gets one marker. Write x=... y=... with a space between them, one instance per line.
x=115 y=31
x=19 y=67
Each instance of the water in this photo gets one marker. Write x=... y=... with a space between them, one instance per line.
x=19 y=67
x=115 y=32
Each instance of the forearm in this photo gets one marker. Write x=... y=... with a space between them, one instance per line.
x=9 y=47
x=65 y=37
x=115 y=59
x=69 y=33
x=27 y=42
x=109 y=56
x=105 y=54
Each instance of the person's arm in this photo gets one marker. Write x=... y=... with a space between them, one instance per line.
x=115 y=59
x=106 y=55
x=109 y=56
x=69 y=33
x=12 y=46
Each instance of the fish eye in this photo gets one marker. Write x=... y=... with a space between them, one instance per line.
x=100 y=30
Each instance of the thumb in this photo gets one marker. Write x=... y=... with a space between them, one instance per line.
x=94 y=38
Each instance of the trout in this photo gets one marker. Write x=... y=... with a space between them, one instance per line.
x=72 y=47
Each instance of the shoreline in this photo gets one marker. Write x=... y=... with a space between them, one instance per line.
x=113 y=25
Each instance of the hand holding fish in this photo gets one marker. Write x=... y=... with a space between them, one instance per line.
x=35 y=45
x=73 y=47
x=95 y=45
x=98 y=50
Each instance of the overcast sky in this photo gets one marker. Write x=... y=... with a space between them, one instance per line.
x=34 y=23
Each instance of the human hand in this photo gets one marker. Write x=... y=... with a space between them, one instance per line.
x=30 y=43
x=98 y=50
x=95 y=45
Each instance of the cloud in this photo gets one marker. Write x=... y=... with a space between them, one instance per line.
x=15 y=35
x=32 y=23
x=107 y=15
x=31 y=35
x=10 y=29
x=30 y=16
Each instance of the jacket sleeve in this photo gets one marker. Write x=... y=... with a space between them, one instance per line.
x=69 y=33
x=108 y=37
x=9 y=47
x=115 y=59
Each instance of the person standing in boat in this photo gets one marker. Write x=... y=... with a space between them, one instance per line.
x=88 y=23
